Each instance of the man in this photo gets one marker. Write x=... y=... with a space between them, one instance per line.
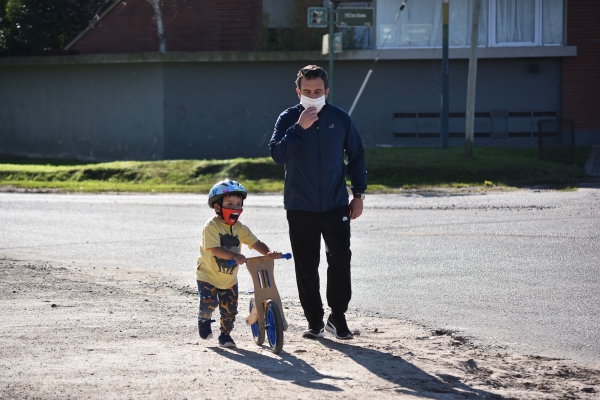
x=310 y=139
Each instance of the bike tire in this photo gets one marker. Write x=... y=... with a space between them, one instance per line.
x=257 y=333
x=274 y=326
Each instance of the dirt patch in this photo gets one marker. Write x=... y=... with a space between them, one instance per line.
x=112 y=333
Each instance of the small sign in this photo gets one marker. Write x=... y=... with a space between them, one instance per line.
x=317 y=17
x=354 y=16
x=337 y=43
x=416 y=34
x=386 y=34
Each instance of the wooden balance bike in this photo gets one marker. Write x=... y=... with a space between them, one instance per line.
x=266 y=312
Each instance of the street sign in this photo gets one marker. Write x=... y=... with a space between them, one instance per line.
x=337 y=43
x=317 y=17
x=354 y=17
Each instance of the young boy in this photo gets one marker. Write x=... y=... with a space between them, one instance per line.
x=222 y=238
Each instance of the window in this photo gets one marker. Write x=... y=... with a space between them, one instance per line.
x=552 y=22
x=501 y=23
x=526 y=22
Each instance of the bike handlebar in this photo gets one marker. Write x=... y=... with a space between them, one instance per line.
x=231 y=263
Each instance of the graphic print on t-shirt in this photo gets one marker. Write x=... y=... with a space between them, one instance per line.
x=230 y=243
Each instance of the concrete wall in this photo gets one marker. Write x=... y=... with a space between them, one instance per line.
x=95 y=112
x=224 y=105
x=224 y=109
x=414 y=87
x=216 y=111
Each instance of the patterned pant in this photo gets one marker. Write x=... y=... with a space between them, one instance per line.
x=211 y=298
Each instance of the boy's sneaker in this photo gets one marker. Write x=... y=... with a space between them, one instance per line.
x=204 y=329
x=337 y=325
x=313 y=333
x=226 y=341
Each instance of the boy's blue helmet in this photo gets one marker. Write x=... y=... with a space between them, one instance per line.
x=222 y=188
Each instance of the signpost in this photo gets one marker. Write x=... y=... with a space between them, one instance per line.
x=347 y=17
x=322 y=17
x=317 y=17
x=337 y=43
x=331 y=15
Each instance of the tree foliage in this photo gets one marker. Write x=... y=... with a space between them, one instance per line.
x=32 y=27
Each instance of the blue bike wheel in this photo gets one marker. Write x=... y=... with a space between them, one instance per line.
x=274 y=327
x=257 y=333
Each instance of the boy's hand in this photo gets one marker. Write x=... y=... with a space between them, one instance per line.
x=240 y=259
x=274 y=254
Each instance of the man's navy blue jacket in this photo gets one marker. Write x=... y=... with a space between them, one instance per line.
x=315 y=174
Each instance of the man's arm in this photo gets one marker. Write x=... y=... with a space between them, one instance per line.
x=285 y=138
x=355 y=167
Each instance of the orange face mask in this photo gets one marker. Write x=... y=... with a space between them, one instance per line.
x=230 y=215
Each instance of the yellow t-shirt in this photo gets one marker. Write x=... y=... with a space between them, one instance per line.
x=212 y=269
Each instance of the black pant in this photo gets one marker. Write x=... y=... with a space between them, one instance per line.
x=306 y=228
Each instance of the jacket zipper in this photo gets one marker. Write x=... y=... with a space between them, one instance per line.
x=319 y=165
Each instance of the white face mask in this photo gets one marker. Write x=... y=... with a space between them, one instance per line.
x=307 y=102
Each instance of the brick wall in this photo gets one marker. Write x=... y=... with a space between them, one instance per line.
x=581 y=74
x=190 y=25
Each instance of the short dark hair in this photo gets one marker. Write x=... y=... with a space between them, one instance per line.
x=312 y=72
x=234 y=194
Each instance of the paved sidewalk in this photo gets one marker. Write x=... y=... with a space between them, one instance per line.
x=592 y=166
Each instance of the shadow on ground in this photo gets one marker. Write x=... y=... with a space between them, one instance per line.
x=407 y=378
x=287 y=368
x=404 y=377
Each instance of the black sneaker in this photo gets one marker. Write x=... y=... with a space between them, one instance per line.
x=337 y=325
x=226 y=341
x=204 y=329
x=313 y=333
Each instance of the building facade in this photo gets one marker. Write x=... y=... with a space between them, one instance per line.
x=189 y=25
x=118 y=101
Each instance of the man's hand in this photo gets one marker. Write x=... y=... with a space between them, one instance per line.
x=308 y=117
x=356 y=208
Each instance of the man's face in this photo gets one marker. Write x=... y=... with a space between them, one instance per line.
x=313 y=88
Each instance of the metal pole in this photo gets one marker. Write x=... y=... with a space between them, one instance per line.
x=330 y=97
x=540 y=141
x=471 y=80
x=572 y=128
x=445 y=74
x=360 y=91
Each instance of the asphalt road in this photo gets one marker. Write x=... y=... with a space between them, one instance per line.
x=518 y=270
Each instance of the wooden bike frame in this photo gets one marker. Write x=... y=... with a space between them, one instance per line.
x=263 y=277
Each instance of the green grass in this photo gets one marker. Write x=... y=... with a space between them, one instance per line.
x=490 y=166
x=389 y=169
